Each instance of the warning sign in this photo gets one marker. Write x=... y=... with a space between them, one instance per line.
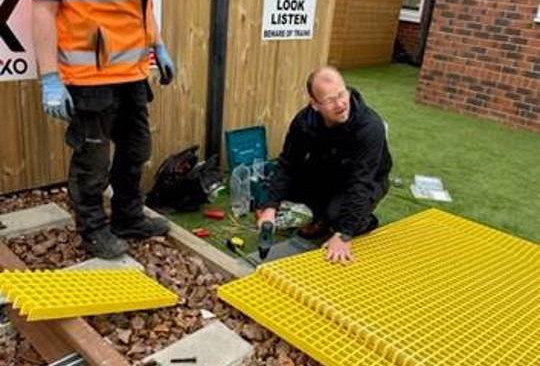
x=16 y=49
x=288 y=19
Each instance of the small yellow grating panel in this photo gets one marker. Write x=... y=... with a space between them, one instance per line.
x=431 y=289
x=58 y=294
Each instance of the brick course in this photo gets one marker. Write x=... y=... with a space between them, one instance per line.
x=483 y=58
x=408 y=37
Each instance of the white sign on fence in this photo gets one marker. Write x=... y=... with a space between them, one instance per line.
x=16 y=50
x=288 y=19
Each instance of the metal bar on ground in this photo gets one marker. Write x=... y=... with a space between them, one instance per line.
x=70 y=360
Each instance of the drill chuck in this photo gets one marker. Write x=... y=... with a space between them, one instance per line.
x=266 y=239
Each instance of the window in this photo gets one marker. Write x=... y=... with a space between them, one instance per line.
x=411 y=4
x=411 y=10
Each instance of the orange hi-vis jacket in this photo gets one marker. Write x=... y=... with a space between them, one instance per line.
x=104 y=41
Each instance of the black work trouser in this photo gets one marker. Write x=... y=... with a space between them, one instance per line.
x=326 y=200
x=116 y=113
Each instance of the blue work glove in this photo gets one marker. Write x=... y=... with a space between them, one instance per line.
x=56 y=100
x=165 y=64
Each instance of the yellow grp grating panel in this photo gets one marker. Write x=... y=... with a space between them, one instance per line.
x=297 y=323
x=431 y=289
x=56 y=294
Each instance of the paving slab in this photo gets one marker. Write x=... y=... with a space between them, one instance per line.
x=125 y=261
x=284 y=249
x=213 y=345
x=34 y=219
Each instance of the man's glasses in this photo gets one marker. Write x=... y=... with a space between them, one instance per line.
x=338 y=97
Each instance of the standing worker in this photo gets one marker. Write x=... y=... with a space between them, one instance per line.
x=93 y=61
x=336 y=160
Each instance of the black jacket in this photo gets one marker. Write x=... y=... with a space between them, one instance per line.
x=350 y=158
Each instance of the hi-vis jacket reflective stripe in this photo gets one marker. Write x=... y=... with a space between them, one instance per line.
x=104 y=41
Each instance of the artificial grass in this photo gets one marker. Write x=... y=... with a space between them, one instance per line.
x=491 y=170
x=221 y=230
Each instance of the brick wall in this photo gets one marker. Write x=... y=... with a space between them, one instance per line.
x=407 y=37
x=483 y=58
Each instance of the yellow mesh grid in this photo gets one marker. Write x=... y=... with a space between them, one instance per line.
x=297 y=323
x=432 y=289
x=62 y=294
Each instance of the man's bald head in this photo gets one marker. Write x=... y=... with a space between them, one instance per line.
x=329 y=95
x=323 y=75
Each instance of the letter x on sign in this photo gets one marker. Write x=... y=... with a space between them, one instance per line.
x=6 y=34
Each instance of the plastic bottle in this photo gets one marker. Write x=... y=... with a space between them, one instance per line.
x=240 y=190
x=258 y=169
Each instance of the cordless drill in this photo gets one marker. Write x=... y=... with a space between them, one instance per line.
x=266 y=238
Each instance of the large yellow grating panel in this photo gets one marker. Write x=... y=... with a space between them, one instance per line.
x=297 y=323
x=58 y=294
x=432 y=289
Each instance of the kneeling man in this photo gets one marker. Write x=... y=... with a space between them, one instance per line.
x=335 y=159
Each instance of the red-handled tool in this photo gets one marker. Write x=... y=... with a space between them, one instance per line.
x=215 y=214
x=201 y=232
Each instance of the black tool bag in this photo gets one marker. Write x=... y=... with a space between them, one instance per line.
x=183 y=183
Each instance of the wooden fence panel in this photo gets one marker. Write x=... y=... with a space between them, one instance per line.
x=178 y=112
x=363 y=32
x=264 y=85
x=10 y=145
x=265 y=79
x=32 y=148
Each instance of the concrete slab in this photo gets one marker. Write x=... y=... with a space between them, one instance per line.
x=34 y=219
x=125 y=261
x=284 y=249
x=213 y=345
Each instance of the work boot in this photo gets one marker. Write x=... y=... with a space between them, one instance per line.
x=315 y=230
x=102 y=243
x=141 y=229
